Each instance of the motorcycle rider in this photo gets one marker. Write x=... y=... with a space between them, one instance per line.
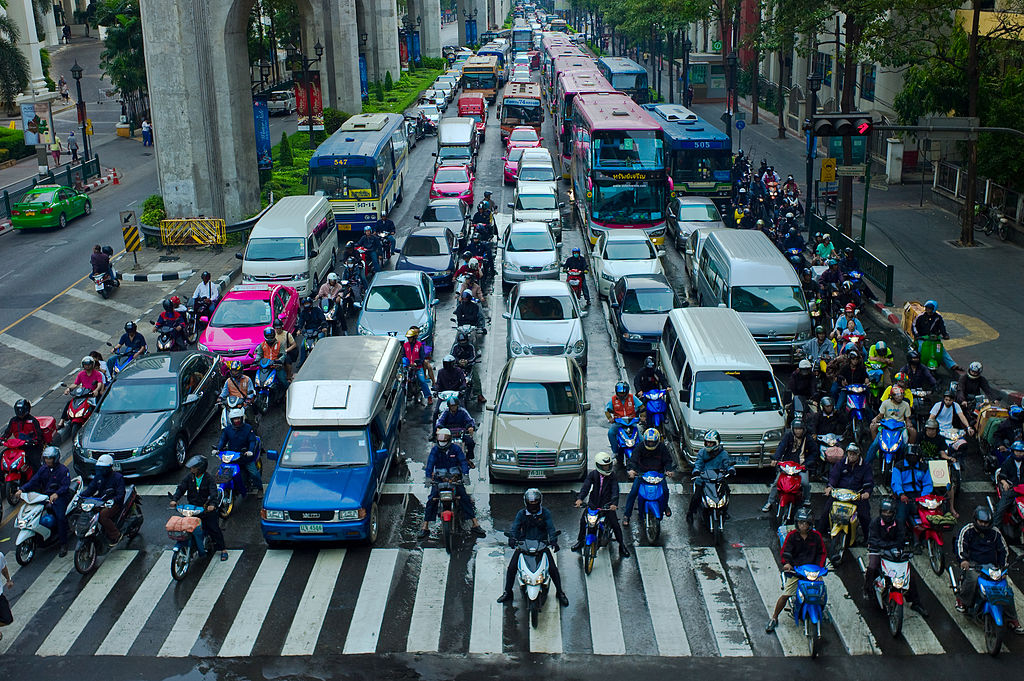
x=652 y=456
x=918 y=375
x=472 y=275
x=649 y=378
x=711 y=457
x=481 y=251
x=90 y=378
x=854 y=473
x=1009 y=431
x=108 y=485
x=622 y=405
x=237 y=384
x=848 y=263
x=465 y=354
x=446 y=454
x=132 y=340
x=371 y=242
x=601 y=490
x=207 y=291
x=826 y=252
x=828 y=419
x=355 y=275
x=802 y=546
x=577 y=262
x=100 y=262
x=979 y=543
x=849 y=315
x=450 y=377
x=533 y=522
x=488 y=204
x=971 y=385
x=910 y=479
x=290 y=345
x=271 y=348
x=419 y=365
x=883 y=535
x=793 y=239
x=26 y=428
x=332 y=290
x=947 y=411
x=200 y=489
x=54 y=480
x=239 y=436
x=1009 y=475
x=880 y=354
x=930 y=323
x=790 y=185
x=804 y=386
x=846 y=369
x=456 y=416
x=794 y=446
x=311 y=317
x=174 y=319
x=893 y=408
x=385 y=229
x=468 y=311
x=931 y=446
x=819 y=349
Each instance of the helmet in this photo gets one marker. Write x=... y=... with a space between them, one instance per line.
x=129 y=327
x=887 y=509
x=760 y=223
x=22 y=408
x=912 y=455
x=105 y=461
x=532 y=499
x=804 y=364
x=367 y=229
x=444 y=438
x=278 y=323
x=797 y=423
x=982 y=518
x=350 y=244
x=467 y=294
x=931 y=424
x=448 y=359
x=913 y=357
x=832 y=261
x=792 y=230
x=412 y=332
x=466 y=255
x=453 y=402
x=197 y=461
x=487 y=193
x=576 y=251
x=852 y=448
x=236 y=414
x=1016 y=413
x=902 y=377
x=648 y=362
x=473 y=262
x=175 y=301
x=880 y=346
x=827 y=402
x=308 y=300
x=932 y=304
x=850 y=307
x=88 y=361
x=791 y=216
x=603 y=463
x=51 y=452
x=268 y=333
x=461 y=337
x=621 y=388
x=819 y=329
x=332 y=277
x=896 y=391
x=651 y=438
x=205 y=275
x=949 y=393
x=1017 y=446
x=713 y=438
x=804 y=516
x=974 y=369
x=234 y=366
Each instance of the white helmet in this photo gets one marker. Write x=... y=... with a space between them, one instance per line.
x=473 y=262
x=236 y=413
x=603 y=463
x=105 y=461
x=332 y=277
x=88 y=359
x=804 y=364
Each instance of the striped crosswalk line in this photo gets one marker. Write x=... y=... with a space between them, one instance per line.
x=71 y=325
x=373 y=599
x=122 y=635
x=249 y=618
x=200 y=604
x=309 y=617
x=765 y=571
x=661 y=602
x=34 y=598
x=720 y=604
x=33 y=350
x=606 y=636
x=939 y=585
x=850 y=626
x=424 y=632
x=488 y=582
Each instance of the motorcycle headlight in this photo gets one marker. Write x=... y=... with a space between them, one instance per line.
x=504 y=455
x=812 y=576
x=511 y=267
x=154 y=445
x=534 y=580
x=570 y=456
x=202 y=348
x=899 y=582
x=21 y=523
x=271 y=514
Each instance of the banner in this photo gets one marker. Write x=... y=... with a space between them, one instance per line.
x=416 y=47
x=300 y=100
x=35 y=122
x=261 y=121
x=364 y=78
x=403 y=47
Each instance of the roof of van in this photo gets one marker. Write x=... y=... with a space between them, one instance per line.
x=340 y=383
x=753 y=247
x=720 y=337
x=281 y=218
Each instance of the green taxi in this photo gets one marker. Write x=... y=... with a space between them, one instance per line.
x=49 y=205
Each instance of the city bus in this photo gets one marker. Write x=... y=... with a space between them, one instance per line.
x=522 y=36
x=361 y=170
x=520 y=105
x=565 y=63
x=560 y=54
x=558 y=25
x=480 y=74
x=698 y=155
x=501 y=51
x=627 y=76
x=618 y=166
x=568 y=86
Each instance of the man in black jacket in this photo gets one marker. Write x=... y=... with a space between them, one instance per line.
x=577 y=262
x=797 y=447
x=1009 y=475
x=533 y=522
x=886 y=534
x=54 y=480
x=852 y=472
x=802 y=546
x=828 y=419
x=200 y=489
x=601 y=490
x=981 y=544
x=649 y=378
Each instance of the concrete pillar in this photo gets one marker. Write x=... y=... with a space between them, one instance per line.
x=20 y=12
x=50 y=27
x=313 y=30
x=197 y=65
x=430 y=30
x=385 y=29
x=341 y=55
x=894 y=161
x=365 y=23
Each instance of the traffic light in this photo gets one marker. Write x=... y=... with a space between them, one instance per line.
x=853 y=124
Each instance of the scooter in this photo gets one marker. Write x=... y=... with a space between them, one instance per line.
x=447 y=481
x=91 y=543
x=809 y=603
x=1013 y=520
x=790 y=490
x=186 y=531
x=891 y=586
x=656 y=406
x=367 y=263
x=714 y=502
x=268 y=389
x=574 y=278
x=596 y=534
x=474 y=333
x=123 y=356
x=231 y=479
x=37 y=524
x=332 y=309
x=309 y=339
x=857 y=412
x=626 y=439
x=876 y=372
x=167 y=339
x=233 y=402
x=534 y=575
x=650 y=492
x=15 y=468
x=891 y=440
x=105 y=282
x=928 y=527
x=992 y=599
x=931 y=351
x=842 y=520
x=199 y=319
x=80 y=407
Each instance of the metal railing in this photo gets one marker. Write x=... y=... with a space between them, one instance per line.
x=951 y=180
x=68 y=176
x=876 y=271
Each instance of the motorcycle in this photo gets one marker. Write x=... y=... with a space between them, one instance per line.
x=796 y=259
x=650 y=492
x=331 y=310
x=928 y=527
x=992 y=598
x=922 y=405
x=37 y=525
x=891 y=586
x=876 y=374
x=473 y=332
x=16 y=469
x=830 y=450
x=167 y=339
x=363 y=254
x=574 y=278
x=809 y=603
x=857 y=412
x=413 y=390
x=268 y=384
x=931 y=351
x=790 y=490
x=1013 y=520
x=596 y=534
x=186 y=531
x=626 y=439
x=91 y=543
x=309 y=339
x=891 y=440
x=714 y=502
x=123 y=356
x=80 y=407
x=198 y=319
x=233 y=402
x=447 y=481
x=534 y=575
x=231 y=479
x=104 y=283
x=843 y=521
x=656 y=407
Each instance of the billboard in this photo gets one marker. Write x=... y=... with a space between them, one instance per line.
x=36 y=123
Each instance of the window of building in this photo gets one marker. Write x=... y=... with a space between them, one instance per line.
x=821 y=65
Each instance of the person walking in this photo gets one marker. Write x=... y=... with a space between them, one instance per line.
x=67 y=34
x=6 y=584
x=147 y=133
x=65 y=93
x=73 y=147
x=55 y=149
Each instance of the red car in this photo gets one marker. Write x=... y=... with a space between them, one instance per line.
x=523 y=136
x=511 y=161
x=453 y=182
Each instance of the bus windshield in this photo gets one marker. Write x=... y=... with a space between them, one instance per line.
x=523 y=113
x=628 y=149
x=479 y=80
x=346 y=182
x=630 y=202
x=629 y=81
x=702 y=165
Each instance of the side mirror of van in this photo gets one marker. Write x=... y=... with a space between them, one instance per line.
x=238 y=255
x=509 y=205
x=561 y=204
x=614 y=304
x=357 y=304
x=314 y=253
x=489 y=407
x=416 y=217
x=585 y=406
x=506 y=315
x=434 y=302
x=272 y=454
x=434 y=154
x=584 y=313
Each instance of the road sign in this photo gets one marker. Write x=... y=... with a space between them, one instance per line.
x=828 y=170
x=130 y=231
x=740 y=125
x=850 y=171
x=88 y=126
x=716 y=45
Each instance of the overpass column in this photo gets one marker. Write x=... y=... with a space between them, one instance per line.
x=429 y=12
x=341 y=56
x=21 y=13
x=384 y=26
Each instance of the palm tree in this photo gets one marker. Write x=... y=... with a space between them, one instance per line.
x=14 y=68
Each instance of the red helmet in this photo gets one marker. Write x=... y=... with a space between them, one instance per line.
x=175 y=301
x=850 y=307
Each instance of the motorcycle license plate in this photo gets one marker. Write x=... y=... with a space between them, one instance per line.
x=536 y=473
x=311 y=529
x=99 y=286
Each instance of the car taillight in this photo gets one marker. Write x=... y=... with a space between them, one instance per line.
x=15 y=212
x=46 y=211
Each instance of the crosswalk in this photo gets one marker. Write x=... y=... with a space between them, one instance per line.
x=354 y=600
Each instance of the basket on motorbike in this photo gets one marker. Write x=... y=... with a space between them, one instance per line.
x=180 y=527
x=989 y=418
x=833 y=455
x=910 y=313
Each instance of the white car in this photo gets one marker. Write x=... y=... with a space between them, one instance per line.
x=520 y=75
x=623 y=251
x=431 y=111
x=282 y=102
x=436 y=97
x=546 y=320
x=538 y=202
x=447 y=87
x=529 y=252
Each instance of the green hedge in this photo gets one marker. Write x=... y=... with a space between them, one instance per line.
x=14 y=142
x=404 y=93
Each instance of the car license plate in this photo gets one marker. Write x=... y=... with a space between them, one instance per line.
x=30 y=212
x=311 y=529
x=536 y=473
x=740 y=460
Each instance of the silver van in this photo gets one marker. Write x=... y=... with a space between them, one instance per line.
x=720 y=381
x=456 y=142
x=743 y=270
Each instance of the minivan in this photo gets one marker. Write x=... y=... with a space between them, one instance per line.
x=743 y=270
x=295 y=242
x=720 y=380
x=538 y=202
x=456 y=142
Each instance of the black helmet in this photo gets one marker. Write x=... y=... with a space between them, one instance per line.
x=22 y=408
x=129 y=327
x=168 y=305
x=278 y=323
x=532 y=499
x=797 y=423
x=205 y=276
x=804 y=515
x=819 y=329
x=887 y=509
x=827 y=402
x=912 y=456
x=621 y=388
x=308 y=300
x=913 y=356
x=268 y=334
x=487 y=194
x=461 y=337
x=197 y=461
x=649 y=362
x=350 y=244
x=982 y=518
x=466 y=255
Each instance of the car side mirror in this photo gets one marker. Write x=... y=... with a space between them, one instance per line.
x=661 y=252
x=416 y=217
x=585 y=406
x=238 y=255
x=193 y=398
x=272 y=454
x=358 y=304
x=435 y=301
x=314 y=253
x=506 y=315
x=509 y=205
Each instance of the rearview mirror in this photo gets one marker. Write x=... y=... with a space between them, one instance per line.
x=489 y=407
x=314 y=253
x=358 y=304
x=509 y=205
x=272 y=454
x=238 y=255
x=435 y=301
x=614 y=305
x=416 y=217
x=561 y=204
x=585 y=406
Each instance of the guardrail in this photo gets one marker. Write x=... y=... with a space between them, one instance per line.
x=876 y=271
x=243 y=226
x=69 y=176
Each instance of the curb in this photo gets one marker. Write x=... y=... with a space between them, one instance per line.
x=893 y=318
x=161 y=276
x=225 y=279
x=110 y=178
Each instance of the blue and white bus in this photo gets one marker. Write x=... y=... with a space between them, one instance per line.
x=361 y=170
x=625 y=75
x=698 y=155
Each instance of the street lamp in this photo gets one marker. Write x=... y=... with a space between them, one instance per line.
x=730 y=62
x=293 y=53
x=813 y=85
x=687 y=46
x=76 y=73
x=363 y=37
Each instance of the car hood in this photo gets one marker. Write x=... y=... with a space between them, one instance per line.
x=218 y=339
x=531 y=258
x=449 y=187
x=116 y=432
x=646 y=324
x=513 y=431
x=392 y=323
x=427 y=263
x=536 y=215
x=687 y=228
x=545 y=332
x=301 y=489
x=618 y=268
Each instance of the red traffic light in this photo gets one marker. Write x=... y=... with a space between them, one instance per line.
x=863 y=128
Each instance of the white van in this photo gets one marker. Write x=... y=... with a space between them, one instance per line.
x=295 y=242
x=720 y=381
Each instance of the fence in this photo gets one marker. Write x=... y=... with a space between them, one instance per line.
x=878 y=272
x=951 y=180
x=68 y=176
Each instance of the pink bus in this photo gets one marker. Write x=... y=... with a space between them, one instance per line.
x=568 y=86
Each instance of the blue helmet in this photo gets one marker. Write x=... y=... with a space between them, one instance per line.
x=932 y=304
x=621 y=388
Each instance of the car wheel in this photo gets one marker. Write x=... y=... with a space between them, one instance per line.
x=180 y=452
x=373 y=524
x=62 y=221
x=87 y=208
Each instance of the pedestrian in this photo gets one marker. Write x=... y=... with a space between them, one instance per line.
x=73 y=147
x=67 y=34
x=688 y=96
x=65 y=94
x=6 y=584
x=55 y=149
x=147 y=133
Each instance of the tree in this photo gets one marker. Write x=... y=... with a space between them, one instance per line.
x=286 y=160
x=14 y=68
x=123 y=59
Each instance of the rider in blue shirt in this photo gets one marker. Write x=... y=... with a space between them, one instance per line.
x=446 y=455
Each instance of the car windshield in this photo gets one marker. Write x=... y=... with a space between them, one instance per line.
x=768 y=299
x=648 y=301
x=543 y=173
x=545 y=308
x=429 y=110
x=394 y=298
x=514 y=153
x=538 y=399
x=454 y=152
x=629 y=250
x=530 y=241
x=442 y=213
x=275 y=249
x=424 y=246
x=334 y=448
x=699 y=213
x=235 y=312
x=41 y=197
x=525 y=135
x=451 y=175
x=536 y=202
x=735 y=391
x=139 y=396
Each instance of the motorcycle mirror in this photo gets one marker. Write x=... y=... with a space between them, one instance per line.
x=109 y=344
x=416 y=217
x=584 y=313
x=272 y=454
x=204 y=319
x=489 y=407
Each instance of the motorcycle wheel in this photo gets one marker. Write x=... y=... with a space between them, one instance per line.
x=895 y=614
x=446 y=532
x=652 y=529
x=180 y=564
x=104 y=293
x=1003 y=232
x=718 y=536
x=85 y=557
x=993 y=636
x=534 y=613
x=227 y=506
x=589 y=553
x=26 y=551
x=11 y=493
x=262 y=403
x=936 y=557
x=837 y=548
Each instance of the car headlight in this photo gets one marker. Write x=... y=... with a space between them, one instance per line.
x=351 y=514
x=300 y=277
x=154 y=445
x=363 y=331
x=504 y=455
x=578 y=347
x=516 y=347
x=202 y=348
x=774 y=434
x=632 y=336
x=695 y=433
x=550 y=266
x=608 y=277
x=570 y=456
x=248 y=277
x=271 y=514
x=511 y=267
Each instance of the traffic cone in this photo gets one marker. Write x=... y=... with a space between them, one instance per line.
x=116 y=179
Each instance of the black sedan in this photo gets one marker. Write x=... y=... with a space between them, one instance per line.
x=151 y=413
x=640 y=304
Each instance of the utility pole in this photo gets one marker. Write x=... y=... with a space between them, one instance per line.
x=970 y=198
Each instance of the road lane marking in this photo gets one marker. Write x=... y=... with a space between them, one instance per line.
x=424 y=632
x=765 y=571
x=8 y=396
x=33 y=350
x=368 y=615
x=977 y=331
x=189 y=624
x=124 y=632
x=34 y=598
x=661 y=602
x=112 y=304
x=309 y=617
x=249 y=618
x=603 y=604
x=720 y=603
x=851 y=627
x=77 y=327
x=546 y=637
x=486 y=624
x=90 y=598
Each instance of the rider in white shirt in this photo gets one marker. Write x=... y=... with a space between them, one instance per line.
x=207 y=289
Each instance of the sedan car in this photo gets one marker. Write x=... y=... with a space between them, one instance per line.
x=152 y=412
x=446 y=87
x=546 y=320
x=433 y=250
x=453 y=182
x=435 y=97
x=394 y=302
x=510 y=169
x=530 y=252
x=687 y=213
x=49 y=205
x=523 y=136
x=538 y=202
x=452 y=214
x=237 y=325
x=623 y=251
x=640 y=305
x=540 y=428
x=520 y=75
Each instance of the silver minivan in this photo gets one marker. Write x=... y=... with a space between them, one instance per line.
x=743 y=270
